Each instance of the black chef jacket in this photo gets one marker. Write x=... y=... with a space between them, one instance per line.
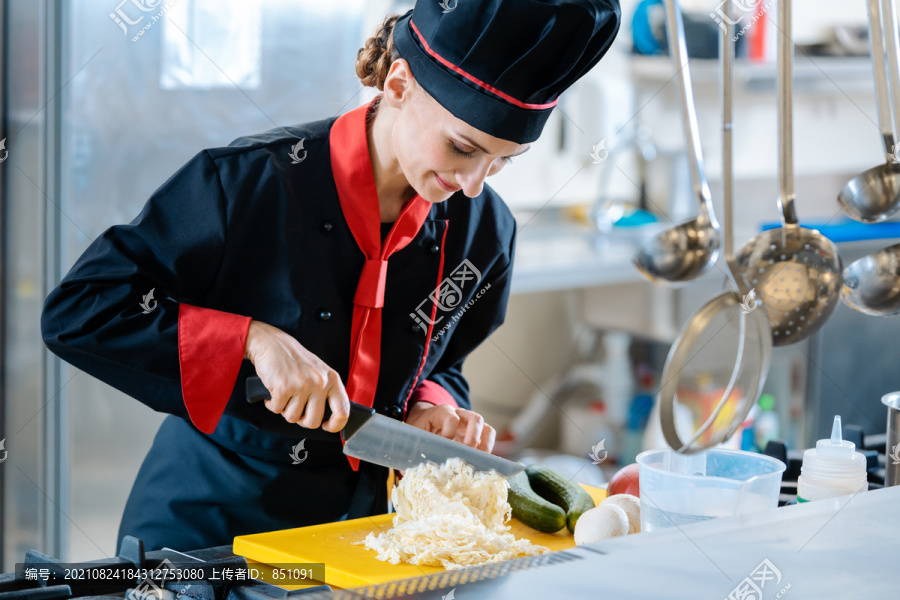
x=255 y=230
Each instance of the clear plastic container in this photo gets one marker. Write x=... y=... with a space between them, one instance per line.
x=677 y=490
x=833 y=468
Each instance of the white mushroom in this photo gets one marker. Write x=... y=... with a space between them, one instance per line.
x=601 y=523
x=632 y=507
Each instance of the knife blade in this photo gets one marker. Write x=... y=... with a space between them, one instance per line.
x=388 y=442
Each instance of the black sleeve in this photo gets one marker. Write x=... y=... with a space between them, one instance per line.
x=97 y=319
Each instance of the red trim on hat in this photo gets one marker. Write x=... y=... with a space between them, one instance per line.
x=475 y=80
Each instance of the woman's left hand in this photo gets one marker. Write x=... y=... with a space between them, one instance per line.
x=453 y=423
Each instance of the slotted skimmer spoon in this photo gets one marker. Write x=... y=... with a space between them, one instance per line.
x=687 y=251
x=794 y=271
x=717 y=367
x=874 y=195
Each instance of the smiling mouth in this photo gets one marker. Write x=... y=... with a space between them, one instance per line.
x=446 y=186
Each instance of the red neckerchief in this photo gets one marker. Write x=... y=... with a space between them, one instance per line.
x=355 y=183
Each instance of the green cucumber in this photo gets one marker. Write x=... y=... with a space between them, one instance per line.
x=552 y=486
x=531 y=509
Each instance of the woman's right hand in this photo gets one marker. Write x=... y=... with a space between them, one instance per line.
x=299 y=381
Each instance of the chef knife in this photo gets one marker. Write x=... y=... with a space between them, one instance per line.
x=391 y=443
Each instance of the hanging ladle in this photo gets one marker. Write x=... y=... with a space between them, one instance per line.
x=872 y=283
x=794 y=271
x=874 y=195
x=687 y=251
x=751 y=339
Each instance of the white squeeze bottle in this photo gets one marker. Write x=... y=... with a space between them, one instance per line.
x=832 y=468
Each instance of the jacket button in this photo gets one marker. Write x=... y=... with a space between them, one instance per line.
x=395 y=412
x=415 y=328
x=324 y=315
x=434 y=249
x=326 y=226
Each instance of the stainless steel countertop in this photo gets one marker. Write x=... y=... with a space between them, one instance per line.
x=839 y=548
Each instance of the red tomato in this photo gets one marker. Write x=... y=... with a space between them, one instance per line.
x=625 y=481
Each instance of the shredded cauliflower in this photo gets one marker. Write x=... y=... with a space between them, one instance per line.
x=450 y=516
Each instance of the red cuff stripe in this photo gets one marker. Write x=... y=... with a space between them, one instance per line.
x=433 y=393
x=210 y=351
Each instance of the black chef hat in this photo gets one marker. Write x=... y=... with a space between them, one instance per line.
x=500 y=65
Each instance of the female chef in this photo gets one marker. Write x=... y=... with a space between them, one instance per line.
x=365 y=266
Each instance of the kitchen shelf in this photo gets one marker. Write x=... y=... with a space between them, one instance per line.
x=815 y=74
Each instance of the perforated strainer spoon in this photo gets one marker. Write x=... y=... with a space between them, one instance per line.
x=794 y=271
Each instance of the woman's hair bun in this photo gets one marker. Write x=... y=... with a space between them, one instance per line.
x=373 y=61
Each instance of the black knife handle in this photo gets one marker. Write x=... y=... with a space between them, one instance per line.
x=257 y=392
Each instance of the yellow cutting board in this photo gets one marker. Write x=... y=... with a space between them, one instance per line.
x=351 y=565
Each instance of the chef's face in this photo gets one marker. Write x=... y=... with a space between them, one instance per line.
x=438 y=153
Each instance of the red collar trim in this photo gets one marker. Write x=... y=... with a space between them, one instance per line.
x=351 y=166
